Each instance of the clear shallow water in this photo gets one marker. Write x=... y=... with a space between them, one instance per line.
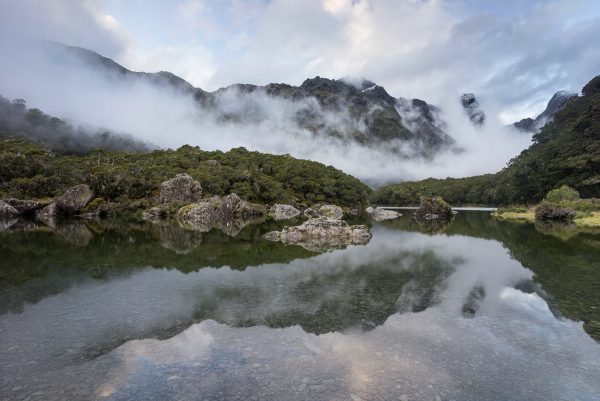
x=420 y=313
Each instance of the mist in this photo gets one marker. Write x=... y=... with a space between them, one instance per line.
x=71 y=88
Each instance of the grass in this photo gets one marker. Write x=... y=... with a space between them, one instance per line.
x=592 y=220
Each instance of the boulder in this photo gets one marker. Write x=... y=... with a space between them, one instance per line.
x=379 y=214
x=217 y=211
x=328 y=211
x=24 y=206
x=7 y=211
x=283 y=212
x=320 y=234
x=155 y=213
x=75 y=198
x=48 y=215
x=434 y=208
x=181 y=188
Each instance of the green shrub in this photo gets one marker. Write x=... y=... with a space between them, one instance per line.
x=564 y=193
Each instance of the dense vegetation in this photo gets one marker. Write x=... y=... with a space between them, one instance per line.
x=19 y=122
x=30 y=171
x=565 y=152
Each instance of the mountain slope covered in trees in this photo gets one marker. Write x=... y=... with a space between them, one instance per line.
x=19 y=122
x=30 y=171
x=565 y=152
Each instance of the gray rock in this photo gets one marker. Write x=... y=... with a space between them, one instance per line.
x=181 y=188
x=379 y=214
x=48 y=215
x=155 y=213
x=229 y=213
x=283 y=212
x=75 y=198
x=213 y=163
x=7 y=210
x=328 y=211
x=320 y=234
x=25 y=206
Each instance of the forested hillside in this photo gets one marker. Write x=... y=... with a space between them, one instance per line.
x=28 y=170
x=565 y=152
x=17 y=121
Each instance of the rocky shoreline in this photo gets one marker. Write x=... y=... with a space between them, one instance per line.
x=180 y=201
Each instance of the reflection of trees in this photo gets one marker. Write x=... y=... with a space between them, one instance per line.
x=563 y=259
x=336 y=299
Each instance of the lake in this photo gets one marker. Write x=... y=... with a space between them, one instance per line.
x=478 y=309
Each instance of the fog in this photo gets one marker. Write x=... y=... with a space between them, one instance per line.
x=67 y=87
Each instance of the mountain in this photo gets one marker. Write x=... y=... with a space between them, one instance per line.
x=556 y=103
x=361 y=112
x=19 y=122
x=566 y=151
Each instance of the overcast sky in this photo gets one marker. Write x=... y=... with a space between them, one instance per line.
x=513 y=54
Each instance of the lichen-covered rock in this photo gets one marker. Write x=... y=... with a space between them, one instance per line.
x=7 y=211
x=217 y=211
x=75 y=198
x=283 y=212
x=24 y=206
x=155 y=213
x=48 y=215
x=328 y=211
x=434 y=208
x=379 y=214
x=320 y=234
x=182 y=188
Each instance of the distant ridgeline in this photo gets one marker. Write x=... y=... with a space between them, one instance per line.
x=30 y=171
x=19 y=122
x=565 y=152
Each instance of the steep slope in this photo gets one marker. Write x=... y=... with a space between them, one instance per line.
x=556 y=103
x=565 y=152
x=19 y=122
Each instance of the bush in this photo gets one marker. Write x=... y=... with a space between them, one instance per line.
x=549 y=211
x=564 y=193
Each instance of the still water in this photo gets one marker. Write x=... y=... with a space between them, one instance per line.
x=475 y=310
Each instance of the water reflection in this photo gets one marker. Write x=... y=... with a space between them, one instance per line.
x=409 y=316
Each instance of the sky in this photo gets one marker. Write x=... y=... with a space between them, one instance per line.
x=513 y=54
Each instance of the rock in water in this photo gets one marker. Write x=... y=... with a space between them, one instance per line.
x=434 y=208
x=181 y=188
x=25 y=206
x=75 y=198
x=7 y=210
x=216 y=211
x=328 y=211
x=283 y=212
x=382 y=214
x=48 y=215
x=319 y=234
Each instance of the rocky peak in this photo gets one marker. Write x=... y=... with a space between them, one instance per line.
x=471 y=106
x=558 y=101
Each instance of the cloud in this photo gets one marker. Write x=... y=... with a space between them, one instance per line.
x=74 y=22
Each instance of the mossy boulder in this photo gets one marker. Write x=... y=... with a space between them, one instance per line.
x=75 y=198
x=328 y=211
x=433 y=208
x=283 y=212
